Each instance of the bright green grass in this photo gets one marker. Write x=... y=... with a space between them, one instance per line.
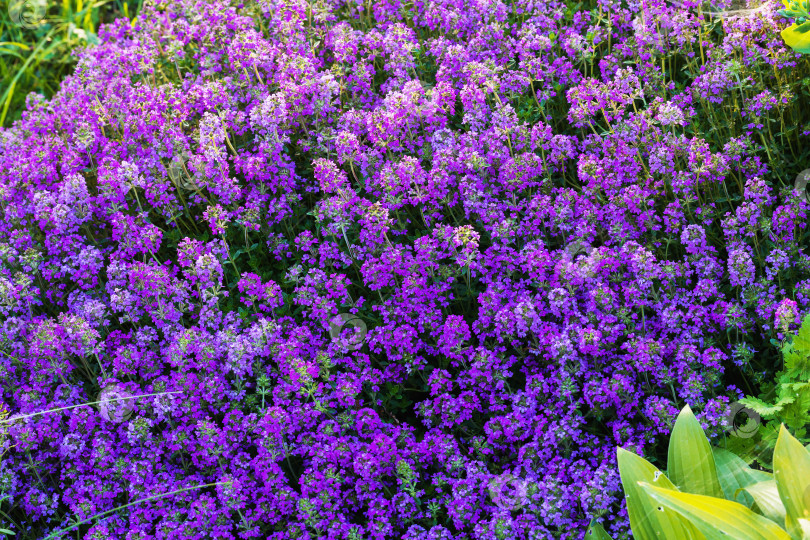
x=35 y=57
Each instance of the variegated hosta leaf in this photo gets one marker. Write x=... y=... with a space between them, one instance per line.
x=648 y=520
x=717 y=519
x=734 y=474
x=690 y=462
x=797 y=37
x=766 y=497
x=597 y=532
x=791 y=470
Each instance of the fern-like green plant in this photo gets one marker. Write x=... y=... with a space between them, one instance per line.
x=709 y=493
x=785 y=401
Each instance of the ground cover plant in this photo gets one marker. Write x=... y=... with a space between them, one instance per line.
x=327 y=269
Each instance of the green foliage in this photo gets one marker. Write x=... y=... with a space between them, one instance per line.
x=596 y=532
x=36 y=55
x=784 y=401
x=796 y=35
x=795 y=9
x=753 y=505
x=646 y=519
x=735 y=476
x=690 y=459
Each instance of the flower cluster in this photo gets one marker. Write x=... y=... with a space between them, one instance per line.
x=539 y=230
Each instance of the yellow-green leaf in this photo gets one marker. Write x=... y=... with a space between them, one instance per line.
x=798 y=41
x=22 y=46
x=804 y=527
x=733 y=474
x=717 y=519
x=690 y=462
x=646 y=520
x=597 y=532
x=791 y=470
x=766 y=497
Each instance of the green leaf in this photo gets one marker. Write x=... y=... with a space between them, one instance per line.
x=646 y=520
x=760 y=407
x=791 y=470
x=690 y=462
x=733 y=474
x=798 y=41
x=6 y=531
x=804 y=526
x=766 y=497
x=801 y=341
x=717 y=519
x=597 y=532
x=22 y=46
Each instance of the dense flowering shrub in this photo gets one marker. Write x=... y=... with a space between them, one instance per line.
x=552 y=225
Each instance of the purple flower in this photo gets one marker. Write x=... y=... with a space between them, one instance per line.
x=786 y=315
x=740 y=266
